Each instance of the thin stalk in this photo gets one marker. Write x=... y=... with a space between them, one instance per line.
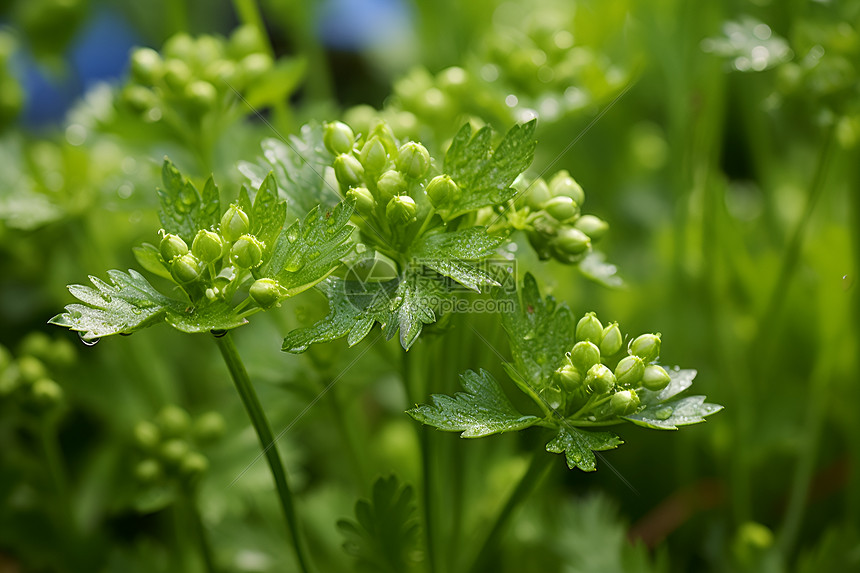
x=414 y=392
x=267 y=441
x=538 y=468
x=203 y=544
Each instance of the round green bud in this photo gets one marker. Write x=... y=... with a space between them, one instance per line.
x=247 y=252
x=207 y=246
x=646 y=347
x=441 y=190
x=186 y=269
x=222 y=71
x=35 y=343
x=563 y=185
x=400 y=210
x=255 y=66
x=173 y=421
x=561 y=208
x=571 y=242
x=611 y=340
x=193 y=465
x=629 y=370
x=201 y=95
x=146 y=66
x=172 y=246
x=453 y=79
x=589 y=328
x=594 y=227
x=139 y=98
x=383 y=132
x=348 y=170
x=600 y=379
x=537 y=194
x=390 y=184
x=209 y=426
x=373 y=156
x=173 y=451
x=31 y=369
x=148 y=471
x=568 y=377
x=177 y=74
x=655 y=378
x=208 y=49
x=364 y=201
x=265 y=292
x=243 y=41
x=46 y=393
x=180 y=46
x=146 y=435
x=624 y=402
x=234 y=223
x=584 y=355
x=413 y=159
x=338 y=137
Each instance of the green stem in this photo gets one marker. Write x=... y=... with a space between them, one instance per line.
x=267 y=441
x=199 y=530
x=538 y=468
x=249 y=15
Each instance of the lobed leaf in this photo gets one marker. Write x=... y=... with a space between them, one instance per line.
x=483 y=175
x=579 y=446
x=482 y=410
x=184 y=210
x=449 y=254
x=669 y=415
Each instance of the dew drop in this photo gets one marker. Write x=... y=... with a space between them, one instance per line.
x=664 y=413
x=218 y=333
x=88 y=341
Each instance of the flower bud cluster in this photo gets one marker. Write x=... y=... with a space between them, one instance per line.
x=387 y=179
x=27 y=378
x=589 y=377
x=559 y=229
x=219 y=261
x=169 y=445
x=193 y=76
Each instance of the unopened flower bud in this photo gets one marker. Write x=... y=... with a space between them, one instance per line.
x=611 y=341
x=592 y=226
x=148 y=471
x=364 y=201
x=571 y=242
x=201 y=95
x=568 y=377
x=646 y=347
x=31 y=369
x=338 y=137
x=537 y=194
x=589 y=328
x=146 y=435
x=348 y=170
x=172 y=246
x=186 y=268
x=177 y=74
x=655 y=378
x=373 y=156
x=46 y=393
x=247 y=252
x=265 y=292
x=146 y=66
x=629 y=370
x=584 y=355
x=173 y=421
x=382 y=131
x=413 y=160
x=390 y=184
x=624 y=402
x=209 y=426
x=441 y=190
x=255 y=66
x=562 y=184
x=234 y=223
x=207 y=246
x=172 y=451
x=400 y=210
x=561 y=208
x=193 y=465
x=600 y=379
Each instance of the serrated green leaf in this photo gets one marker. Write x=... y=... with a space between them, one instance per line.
x=540 y=332
x=384 y=537
x=268 y=214
x=130 y=303
x=449 y=254
x=184 y=210
x=679 y=380
x=412 y=307
x=483 y=175
x=579 y=446
x=669 y=415
x=299 y=165
x=308 y=251
x=482 y=410
x=354 y=307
